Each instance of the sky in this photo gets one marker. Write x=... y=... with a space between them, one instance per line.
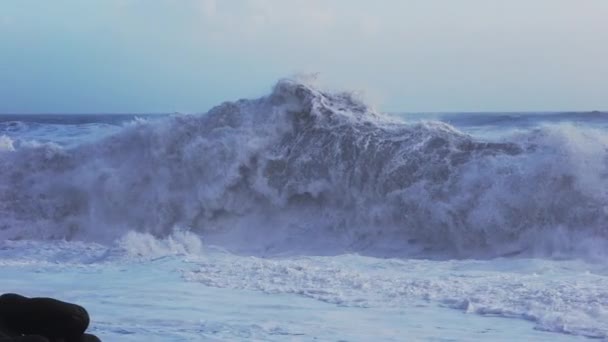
x=156 y=56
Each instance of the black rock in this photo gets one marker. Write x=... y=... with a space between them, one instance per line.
x=42 y=319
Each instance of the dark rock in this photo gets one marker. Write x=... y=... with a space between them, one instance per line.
x=42 y=319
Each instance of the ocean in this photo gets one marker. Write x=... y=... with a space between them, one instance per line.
x=307 y=215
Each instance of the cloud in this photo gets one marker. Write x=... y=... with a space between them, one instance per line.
x=412 y=54
x=208 y=8
x=252 y=17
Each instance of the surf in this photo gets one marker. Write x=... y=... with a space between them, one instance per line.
x=306 y=170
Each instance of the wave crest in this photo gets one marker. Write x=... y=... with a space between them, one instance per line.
x=302 y=169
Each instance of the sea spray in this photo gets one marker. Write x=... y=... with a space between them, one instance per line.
x=306 y=170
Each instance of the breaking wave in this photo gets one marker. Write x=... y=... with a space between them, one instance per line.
x=302 y=169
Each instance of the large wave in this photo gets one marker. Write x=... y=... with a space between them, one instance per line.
x=302 y=169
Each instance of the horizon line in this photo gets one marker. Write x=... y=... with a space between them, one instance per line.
x=385 y=112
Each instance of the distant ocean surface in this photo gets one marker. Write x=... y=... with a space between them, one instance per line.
x=313 y=198
x=48 y=127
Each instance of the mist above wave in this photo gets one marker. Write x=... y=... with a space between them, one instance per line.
x=302 y=169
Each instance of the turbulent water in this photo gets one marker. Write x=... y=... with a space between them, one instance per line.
x=321 y=189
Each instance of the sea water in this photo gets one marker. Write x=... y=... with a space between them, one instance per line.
x=306 y=215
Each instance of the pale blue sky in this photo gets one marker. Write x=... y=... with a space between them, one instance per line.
x=402 y=55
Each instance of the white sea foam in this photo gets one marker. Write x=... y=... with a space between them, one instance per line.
x=6 y=143
x=144 y=245
x=135 y=290
x=304 y=170
x=567 y=297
